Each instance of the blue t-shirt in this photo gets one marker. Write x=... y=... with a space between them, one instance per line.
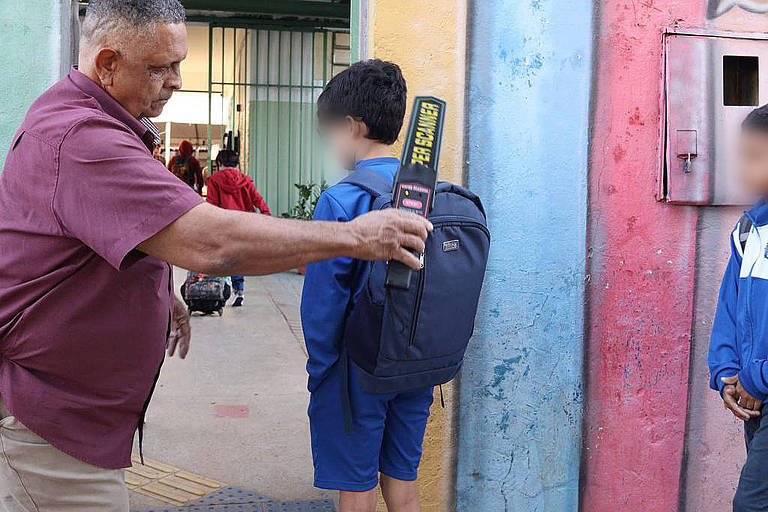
x=330 y=285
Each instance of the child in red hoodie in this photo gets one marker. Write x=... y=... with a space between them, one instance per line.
x=230 y=189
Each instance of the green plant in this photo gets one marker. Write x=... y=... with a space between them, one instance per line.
x=305 y=205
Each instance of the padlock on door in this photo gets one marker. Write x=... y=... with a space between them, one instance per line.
x=687 y=148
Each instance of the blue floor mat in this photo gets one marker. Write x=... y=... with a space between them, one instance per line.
x=299 y=506
x=236 y=499
x=231 y=495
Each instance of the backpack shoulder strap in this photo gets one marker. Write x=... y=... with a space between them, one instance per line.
x=745 y=226
x=378 y=186
x=370 y=181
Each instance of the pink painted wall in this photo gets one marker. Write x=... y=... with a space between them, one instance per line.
x=640 y=269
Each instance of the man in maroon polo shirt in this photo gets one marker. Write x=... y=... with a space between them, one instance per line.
x=89 y=223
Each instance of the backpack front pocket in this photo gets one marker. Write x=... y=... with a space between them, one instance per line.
x=449 y=290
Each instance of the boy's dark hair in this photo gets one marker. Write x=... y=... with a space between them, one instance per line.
x=372 y=91
x=757 y=120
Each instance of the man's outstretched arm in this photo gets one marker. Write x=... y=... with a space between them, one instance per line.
x=226 y=242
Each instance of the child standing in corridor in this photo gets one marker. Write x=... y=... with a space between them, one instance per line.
x=230 y=189
x=360 y=112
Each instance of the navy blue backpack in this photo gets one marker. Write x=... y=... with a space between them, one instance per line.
x=401 y=340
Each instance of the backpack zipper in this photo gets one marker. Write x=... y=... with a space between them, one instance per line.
x=454 y=220
x=419 y=293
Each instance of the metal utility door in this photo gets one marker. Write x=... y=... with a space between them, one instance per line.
x=270 y=79
x=712 y=82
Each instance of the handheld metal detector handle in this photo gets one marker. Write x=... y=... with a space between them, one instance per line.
x=416 y=180
x=414 y=192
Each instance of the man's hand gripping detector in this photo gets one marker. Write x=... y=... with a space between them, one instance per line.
x=415 y=183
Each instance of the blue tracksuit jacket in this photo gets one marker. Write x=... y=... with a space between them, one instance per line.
x=739 y=343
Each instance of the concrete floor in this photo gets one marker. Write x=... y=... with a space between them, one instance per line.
x=235 y=409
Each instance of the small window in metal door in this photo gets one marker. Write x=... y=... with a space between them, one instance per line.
x=741 y=80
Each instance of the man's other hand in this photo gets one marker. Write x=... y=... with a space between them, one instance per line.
x=388 y=234
x=180 y=331
x=735 y=398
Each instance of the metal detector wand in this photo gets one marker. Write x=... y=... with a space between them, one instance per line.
x=415 y=183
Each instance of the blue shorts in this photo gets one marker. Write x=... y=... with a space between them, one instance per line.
x=388 y=431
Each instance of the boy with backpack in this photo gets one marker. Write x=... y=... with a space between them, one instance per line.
x=738 y=350
x=376 y=351
x=360 y=113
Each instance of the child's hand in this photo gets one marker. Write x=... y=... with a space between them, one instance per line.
x=735 y=398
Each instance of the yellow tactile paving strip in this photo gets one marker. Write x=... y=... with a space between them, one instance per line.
x=167 y=483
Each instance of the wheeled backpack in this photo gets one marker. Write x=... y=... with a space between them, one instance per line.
x=400 y=340
x=205 y=294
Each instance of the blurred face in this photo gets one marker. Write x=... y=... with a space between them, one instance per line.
x=343 y=137
x=143 y=75
x=753 y=161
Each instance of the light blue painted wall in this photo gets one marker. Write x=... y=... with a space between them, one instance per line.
x=35 y=42
x=521 y=386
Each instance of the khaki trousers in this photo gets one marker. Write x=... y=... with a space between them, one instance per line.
x=36 y=477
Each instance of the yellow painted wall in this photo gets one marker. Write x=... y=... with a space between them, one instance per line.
x=428 y=41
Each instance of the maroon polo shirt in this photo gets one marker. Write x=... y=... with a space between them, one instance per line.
x=83 y=314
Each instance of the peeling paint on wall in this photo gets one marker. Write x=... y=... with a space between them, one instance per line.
x=521 y=393
x=641 y=272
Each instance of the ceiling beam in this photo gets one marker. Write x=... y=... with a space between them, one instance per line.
x=275 y=24
x=272 y=8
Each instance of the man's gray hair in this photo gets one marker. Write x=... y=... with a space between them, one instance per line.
x=106 y=17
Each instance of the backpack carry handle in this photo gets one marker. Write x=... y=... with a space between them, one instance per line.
x=445 y=186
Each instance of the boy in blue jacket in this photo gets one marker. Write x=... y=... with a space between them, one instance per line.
x=738 y=350
x=360 y=115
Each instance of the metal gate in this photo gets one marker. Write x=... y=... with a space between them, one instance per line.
x=270 y=80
